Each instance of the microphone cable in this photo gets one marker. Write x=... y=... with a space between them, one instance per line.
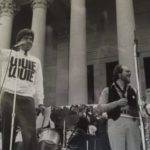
x=1 y=89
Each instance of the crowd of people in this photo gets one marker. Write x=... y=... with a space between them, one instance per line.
x=22 y=80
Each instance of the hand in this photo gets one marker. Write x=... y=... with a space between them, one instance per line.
x=122 y=102
x=147 y=107
x=41 y=108
x=125 y=108
x=92 y=129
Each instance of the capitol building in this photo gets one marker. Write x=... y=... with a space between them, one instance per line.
x=80 y=41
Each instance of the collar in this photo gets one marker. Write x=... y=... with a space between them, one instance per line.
x=128 y=85
x=22 y=52
x=121 y=92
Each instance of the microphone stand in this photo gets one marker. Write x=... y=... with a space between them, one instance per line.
x=64 y=136
x=136 y=54
x=14 y=106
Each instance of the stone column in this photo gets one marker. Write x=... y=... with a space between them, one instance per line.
x=7 y=9
x=125 y=33
x=39 y=27
x=62 y=71
x=77 y=58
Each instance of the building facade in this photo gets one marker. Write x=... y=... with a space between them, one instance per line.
x=80 y=41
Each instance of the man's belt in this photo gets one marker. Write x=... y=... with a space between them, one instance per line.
x=129 y=112
x=126 y=112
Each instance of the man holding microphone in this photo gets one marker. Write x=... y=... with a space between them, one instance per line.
x=21 y=77
x=120 y=102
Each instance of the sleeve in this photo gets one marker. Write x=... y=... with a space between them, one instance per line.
x=39 y=93
x=4 y=54
x=103 y=99
x=1 y=54
x=104 y=102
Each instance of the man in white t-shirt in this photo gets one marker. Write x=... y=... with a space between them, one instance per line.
x=21 y=76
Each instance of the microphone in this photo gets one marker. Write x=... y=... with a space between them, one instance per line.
x=19 y=44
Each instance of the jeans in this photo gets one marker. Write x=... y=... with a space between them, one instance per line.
x=25 y=118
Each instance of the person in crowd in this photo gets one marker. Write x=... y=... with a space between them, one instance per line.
x=146 y=105
x=22 y=80
x=119 y=100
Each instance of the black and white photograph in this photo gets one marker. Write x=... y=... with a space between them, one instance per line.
x=74 y=75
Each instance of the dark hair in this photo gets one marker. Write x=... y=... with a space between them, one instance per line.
x=24 y=32
x=117 y=70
